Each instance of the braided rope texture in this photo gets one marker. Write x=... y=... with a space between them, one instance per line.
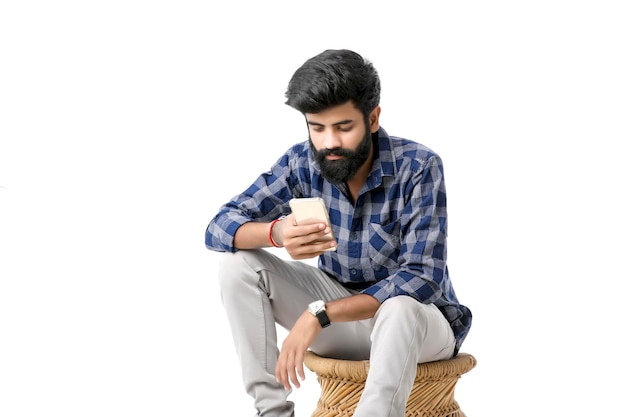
x=432 y=395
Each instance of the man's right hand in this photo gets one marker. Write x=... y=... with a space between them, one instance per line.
x=302 y=241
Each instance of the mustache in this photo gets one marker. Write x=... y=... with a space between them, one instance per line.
x=335 y=151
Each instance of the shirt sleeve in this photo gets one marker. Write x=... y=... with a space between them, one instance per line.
x=266 y=199
x=422 y=259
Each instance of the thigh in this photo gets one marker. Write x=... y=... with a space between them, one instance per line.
x=404 y=323
x=346 y=340
x=278 y=275
x=292 y=285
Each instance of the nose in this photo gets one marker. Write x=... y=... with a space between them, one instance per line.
x=331 y=139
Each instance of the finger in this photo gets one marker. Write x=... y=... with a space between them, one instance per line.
x=291 y=371
x=302 y=237
x=304 y=246
x=320 y=246
x=300 y=368
x=307 y=229
x=294 y=377
x=281 y=373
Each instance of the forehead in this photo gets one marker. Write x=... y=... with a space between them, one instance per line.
x=341 y=113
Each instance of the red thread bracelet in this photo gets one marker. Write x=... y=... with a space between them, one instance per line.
x=272 y=241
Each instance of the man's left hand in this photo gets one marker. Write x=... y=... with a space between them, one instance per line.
x=290 y=365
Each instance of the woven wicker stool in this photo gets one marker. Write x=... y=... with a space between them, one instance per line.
x=342 y=382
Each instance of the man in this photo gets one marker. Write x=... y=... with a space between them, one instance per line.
x=383 y=286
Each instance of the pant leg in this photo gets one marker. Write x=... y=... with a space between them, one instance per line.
x=258 y=290
x=405 y=333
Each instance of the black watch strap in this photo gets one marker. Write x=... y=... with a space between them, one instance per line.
x=323 y=319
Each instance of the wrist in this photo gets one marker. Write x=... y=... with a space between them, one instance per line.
x=270 y=234
x=318 y=310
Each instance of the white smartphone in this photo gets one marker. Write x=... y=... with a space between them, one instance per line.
x=311 y=208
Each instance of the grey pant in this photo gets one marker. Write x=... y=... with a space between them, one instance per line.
x=260 y=289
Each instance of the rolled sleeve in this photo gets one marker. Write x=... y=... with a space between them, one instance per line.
x=266 y=199
x=220 y=233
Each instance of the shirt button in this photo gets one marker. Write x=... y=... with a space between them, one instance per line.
x=353 y=271
x=353 y=236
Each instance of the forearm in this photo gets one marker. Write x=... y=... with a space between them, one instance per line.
x=353 y=308
x=252 y=235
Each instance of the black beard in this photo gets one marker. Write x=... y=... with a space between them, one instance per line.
x=343 y=170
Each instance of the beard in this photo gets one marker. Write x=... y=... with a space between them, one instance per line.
x=342 y=170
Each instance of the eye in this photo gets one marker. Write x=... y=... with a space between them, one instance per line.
x=344 y=128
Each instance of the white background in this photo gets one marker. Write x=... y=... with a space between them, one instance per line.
x=125 y=124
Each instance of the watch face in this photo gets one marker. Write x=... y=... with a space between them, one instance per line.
x=316 y=306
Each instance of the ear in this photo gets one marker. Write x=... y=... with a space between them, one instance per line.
x=373 y=119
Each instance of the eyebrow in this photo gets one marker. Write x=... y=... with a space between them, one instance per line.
x=342 y=122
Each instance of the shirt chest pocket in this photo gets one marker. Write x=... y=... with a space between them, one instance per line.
x=384 y=245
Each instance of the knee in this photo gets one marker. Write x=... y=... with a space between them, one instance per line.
x=230 y=272
x=402 y=303
x=239 y=270
x=401 y=308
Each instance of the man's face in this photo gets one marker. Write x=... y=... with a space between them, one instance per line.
x=341 y=141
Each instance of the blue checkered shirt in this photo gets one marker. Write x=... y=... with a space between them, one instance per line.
x=391 y=241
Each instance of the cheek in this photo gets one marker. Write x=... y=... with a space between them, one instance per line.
x=353 y=139
x=317 y=140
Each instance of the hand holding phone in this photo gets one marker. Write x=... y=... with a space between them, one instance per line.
x=312 y=208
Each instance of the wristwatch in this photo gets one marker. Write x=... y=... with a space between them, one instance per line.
x=318 y=309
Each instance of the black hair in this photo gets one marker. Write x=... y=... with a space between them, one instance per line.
x=332 y=78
